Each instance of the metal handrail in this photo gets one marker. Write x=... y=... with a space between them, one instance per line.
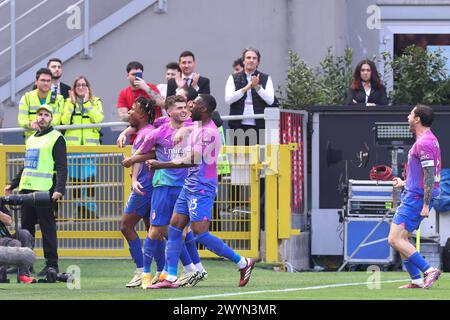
x=23 y=14
x=119 y=124
x=76 y=126
x=40 y=28
x=4 y=3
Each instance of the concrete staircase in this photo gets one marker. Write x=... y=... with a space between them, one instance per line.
x=54 y=28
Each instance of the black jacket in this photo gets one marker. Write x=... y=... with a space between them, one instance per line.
x=377 y=96
x=65 y=90
x=203 y=85
x=237 y=108
x=60 y=156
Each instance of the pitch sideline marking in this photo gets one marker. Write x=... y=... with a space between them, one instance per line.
x=280 y=290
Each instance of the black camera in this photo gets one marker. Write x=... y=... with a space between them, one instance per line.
x=65 y=277
x=53 y=276
x=39 y=199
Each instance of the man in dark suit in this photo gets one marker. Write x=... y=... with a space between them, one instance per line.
x=55 y=66
x=188 y=77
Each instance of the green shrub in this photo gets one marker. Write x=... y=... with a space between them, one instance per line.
x=327 y=84
x=335 y=77
x=419 y=77
x=301 y=88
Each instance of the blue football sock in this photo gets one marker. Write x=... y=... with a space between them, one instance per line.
x=160 y=255
x=419 y=261
x=174 y=246
x=136 y=252
x=217 y=246
x=412 y=269
x=148 y=255
x=191 y=246
x=184 y=256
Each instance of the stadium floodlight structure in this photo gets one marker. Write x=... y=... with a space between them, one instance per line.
x=395 y=136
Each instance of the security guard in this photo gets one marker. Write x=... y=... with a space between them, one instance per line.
x=82 y=107
x=223 y=165
x=32 y=100
x=45 y=169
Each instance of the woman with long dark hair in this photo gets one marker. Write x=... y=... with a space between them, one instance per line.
x=82 y=107
x=367 y=87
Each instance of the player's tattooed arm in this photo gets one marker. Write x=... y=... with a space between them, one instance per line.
x=428 y=182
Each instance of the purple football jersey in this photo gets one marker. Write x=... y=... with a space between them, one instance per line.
x=425 y=152
x=205 y=141
x=161 y=139
x=144 y=176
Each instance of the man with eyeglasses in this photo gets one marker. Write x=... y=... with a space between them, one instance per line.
x=138 y=88
x=31 y=101
x=55 y=66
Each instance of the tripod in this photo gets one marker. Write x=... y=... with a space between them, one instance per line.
x=15 y=209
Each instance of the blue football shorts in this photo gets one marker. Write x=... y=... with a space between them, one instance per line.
x=408 y=213
x=195 y=205
x=163 y=203
x=138 y=204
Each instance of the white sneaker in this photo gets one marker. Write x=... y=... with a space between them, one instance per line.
x=188 y=279
x=146 y=280
x=203 y=276
x=136 y=281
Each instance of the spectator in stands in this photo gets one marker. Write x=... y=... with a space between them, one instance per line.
x=55 y=66
x=238 y=66
x=32 y=100
x=82 y=107
x=367 y=88
x=172 y=69
x=138 y=88
x=188 y=76
x=249 y=92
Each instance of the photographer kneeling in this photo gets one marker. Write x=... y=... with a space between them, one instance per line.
x=15 y=249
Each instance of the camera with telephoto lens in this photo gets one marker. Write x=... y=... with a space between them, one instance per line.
x=39 y=199
x=65 y=277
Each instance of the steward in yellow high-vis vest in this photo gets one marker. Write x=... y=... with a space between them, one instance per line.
x=31 y=101
x=45 y=169
x=82 y=112
x=223 y=165
x=39 y=166
x=82 y=107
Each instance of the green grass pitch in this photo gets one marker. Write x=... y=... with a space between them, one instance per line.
x=106 y=279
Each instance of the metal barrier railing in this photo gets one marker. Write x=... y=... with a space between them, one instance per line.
x=88 y=218
x=100 y=186
x=293 y=129
x=236 y=212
